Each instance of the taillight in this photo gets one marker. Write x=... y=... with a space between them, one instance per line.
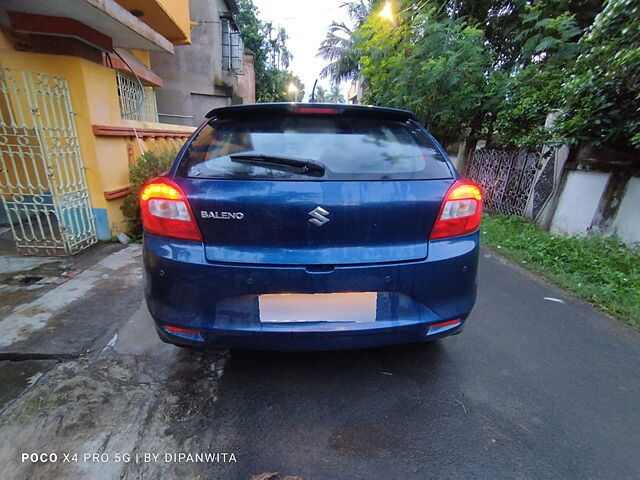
x=461 y=211
x=165 y=211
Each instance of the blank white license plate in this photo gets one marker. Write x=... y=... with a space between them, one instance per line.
x=318 y=307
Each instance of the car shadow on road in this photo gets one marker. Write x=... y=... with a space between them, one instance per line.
x=322 y=405
x=366 y=364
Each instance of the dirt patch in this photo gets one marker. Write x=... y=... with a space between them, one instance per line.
x=23 y=279
x=17 y=376
x=115 y=405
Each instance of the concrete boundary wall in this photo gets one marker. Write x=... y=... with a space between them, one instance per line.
x=578 y=202
x=598 y=202
x=627 y=221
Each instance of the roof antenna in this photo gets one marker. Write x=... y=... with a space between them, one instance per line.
x=313 y=92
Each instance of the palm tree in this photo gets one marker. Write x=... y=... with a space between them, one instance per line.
x=338 y=47
x=284 y=55
x=335 y=95
x=320 y=95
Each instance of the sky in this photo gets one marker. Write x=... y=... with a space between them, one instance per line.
x=306 y=22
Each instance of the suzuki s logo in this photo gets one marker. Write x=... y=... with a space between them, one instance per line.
x=318 y=215
x=222 y=215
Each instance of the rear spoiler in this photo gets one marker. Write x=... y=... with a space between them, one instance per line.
x=341 y=109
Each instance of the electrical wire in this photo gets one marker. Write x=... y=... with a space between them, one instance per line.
x=140 y=103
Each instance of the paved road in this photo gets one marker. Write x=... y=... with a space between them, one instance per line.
x=531 y=389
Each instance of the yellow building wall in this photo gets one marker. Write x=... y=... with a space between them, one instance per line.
x=69 y=68
x=178 y=10
x=170 y=18
x=143 y=56
x=94 y=97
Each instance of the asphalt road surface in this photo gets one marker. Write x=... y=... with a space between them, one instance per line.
x=533 y=388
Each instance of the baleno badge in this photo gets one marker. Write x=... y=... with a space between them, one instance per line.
x=222 y=215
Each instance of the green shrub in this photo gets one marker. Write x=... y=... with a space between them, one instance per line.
x=604 y=271
x=149 y=165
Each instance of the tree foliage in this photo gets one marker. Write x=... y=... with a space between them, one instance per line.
x=533 y=88
x=275 y=84
x=601 y=97
x=496 y=68
x=435 y=67
x=335 y=95
x=272 y=57
x=320 y=94
x=339 y=46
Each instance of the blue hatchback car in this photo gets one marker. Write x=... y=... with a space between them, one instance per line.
x=310 y=227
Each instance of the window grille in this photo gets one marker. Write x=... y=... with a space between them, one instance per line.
x=232 y=46
x=129 y=94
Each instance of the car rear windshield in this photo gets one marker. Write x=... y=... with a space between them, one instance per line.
x=344 y=148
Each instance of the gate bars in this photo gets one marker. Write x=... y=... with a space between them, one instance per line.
x=42 y=180
x=506 y=178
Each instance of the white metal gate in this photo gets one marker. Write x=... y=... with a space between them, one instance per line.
x=42 y=181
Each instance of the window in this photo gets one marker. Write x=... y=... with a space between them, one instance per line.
x=232 y=47
x=348 y=148
x=130 y=95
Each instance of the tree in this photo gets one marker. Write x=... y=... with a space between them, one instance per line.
x=534 y=88
x=335 y=95
x=284 y=55
x=272 y=58
x=339 y=46
x=601 y=100
x=434 y=67
x=279 y=53
x=320 y=94
x=276 y=85
x=253 y=36
x=505 y=22
x=494 y=69
x=291 y=79
x=532 y=44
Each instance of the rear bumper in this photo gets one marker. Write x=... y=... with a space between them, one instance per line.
x=220 y=301
x=261 y=339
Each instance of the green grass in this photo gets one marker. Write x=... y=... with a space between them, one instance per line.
x=601 y=270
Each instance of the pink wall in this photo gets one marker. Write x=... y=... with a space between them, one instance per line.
x=247 y=81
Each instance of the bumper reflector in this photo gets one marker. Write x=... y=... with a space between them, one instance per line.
x=184 y=332
x=442 y=326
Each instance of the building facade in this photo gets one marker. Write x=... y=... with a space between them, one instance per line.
x=78 y=90
x=356 y=90
x=212 y=72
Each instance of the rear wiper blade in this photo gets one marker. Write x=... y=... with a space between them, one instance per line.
x=302 y=166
